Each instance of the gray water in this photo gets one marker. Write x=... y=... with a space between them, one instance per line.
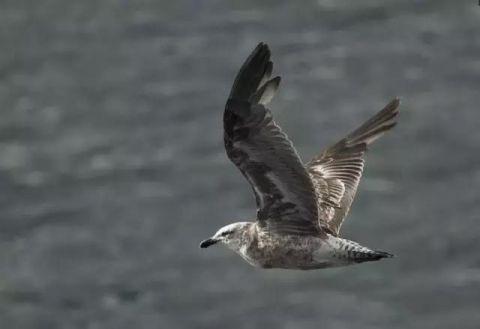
x=112 y=167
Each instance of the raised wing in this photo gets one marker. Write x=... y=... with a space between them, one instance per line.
x=284 y=193
x=337 y=171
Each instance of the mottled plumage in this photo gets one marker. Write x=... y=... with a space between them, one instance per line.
x=300 y=208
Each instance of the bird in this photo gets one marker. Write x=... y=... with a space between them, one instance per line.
x=300 y=207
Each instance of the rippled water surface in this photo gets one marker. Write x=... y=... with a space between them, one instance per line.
x=112 y=167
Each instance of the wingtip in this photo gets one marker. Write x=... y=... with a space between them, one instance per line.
x=394 y=103
x=384 y=254
x=255 y=71
x=262 y=44
x=260 y=54
x=261 y=47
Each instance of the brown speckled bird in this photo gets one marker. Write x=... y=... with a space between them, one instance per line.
x=300 y=207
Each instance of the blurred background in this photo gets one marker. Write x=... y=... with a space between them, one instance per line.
x=112 y=166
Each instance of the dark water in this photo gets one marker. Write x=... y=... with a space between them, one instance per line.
x=112 y=167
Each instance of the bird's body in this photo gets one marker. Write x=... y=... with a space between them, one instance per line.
x=267 y=249
x=300 y=207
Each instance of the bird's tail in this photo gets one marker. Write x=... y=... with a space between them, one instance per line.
x=354 y=253
x=369 y=256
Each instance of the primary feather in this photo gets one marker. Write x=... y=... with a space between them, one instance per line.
x=284 y=192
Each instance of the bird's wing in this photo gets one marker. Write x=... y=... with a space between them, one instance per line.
x=336 y=172
x=284 y=192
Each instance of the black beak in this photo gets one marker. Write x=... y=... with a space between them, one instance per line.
x=207 y=243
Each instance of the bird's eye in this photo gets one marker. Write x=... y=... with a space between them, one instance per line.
x=226 y=233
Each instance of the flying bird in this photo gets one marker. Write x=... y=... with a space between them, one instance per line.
x=301 y=207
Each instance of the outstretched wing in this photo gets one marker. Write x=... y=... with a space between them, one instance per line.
x=284 y=193
x=337 y=171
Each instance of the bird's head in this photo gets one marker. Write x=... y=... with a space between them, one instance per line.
x=230 y=235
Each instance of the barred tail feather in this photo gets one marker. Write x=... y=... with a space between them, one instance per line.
x=352 y=252
x=371 y=255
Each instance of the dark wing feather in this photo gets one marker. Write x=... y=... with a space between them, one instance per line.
x=284 y=192
x=337 y=171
